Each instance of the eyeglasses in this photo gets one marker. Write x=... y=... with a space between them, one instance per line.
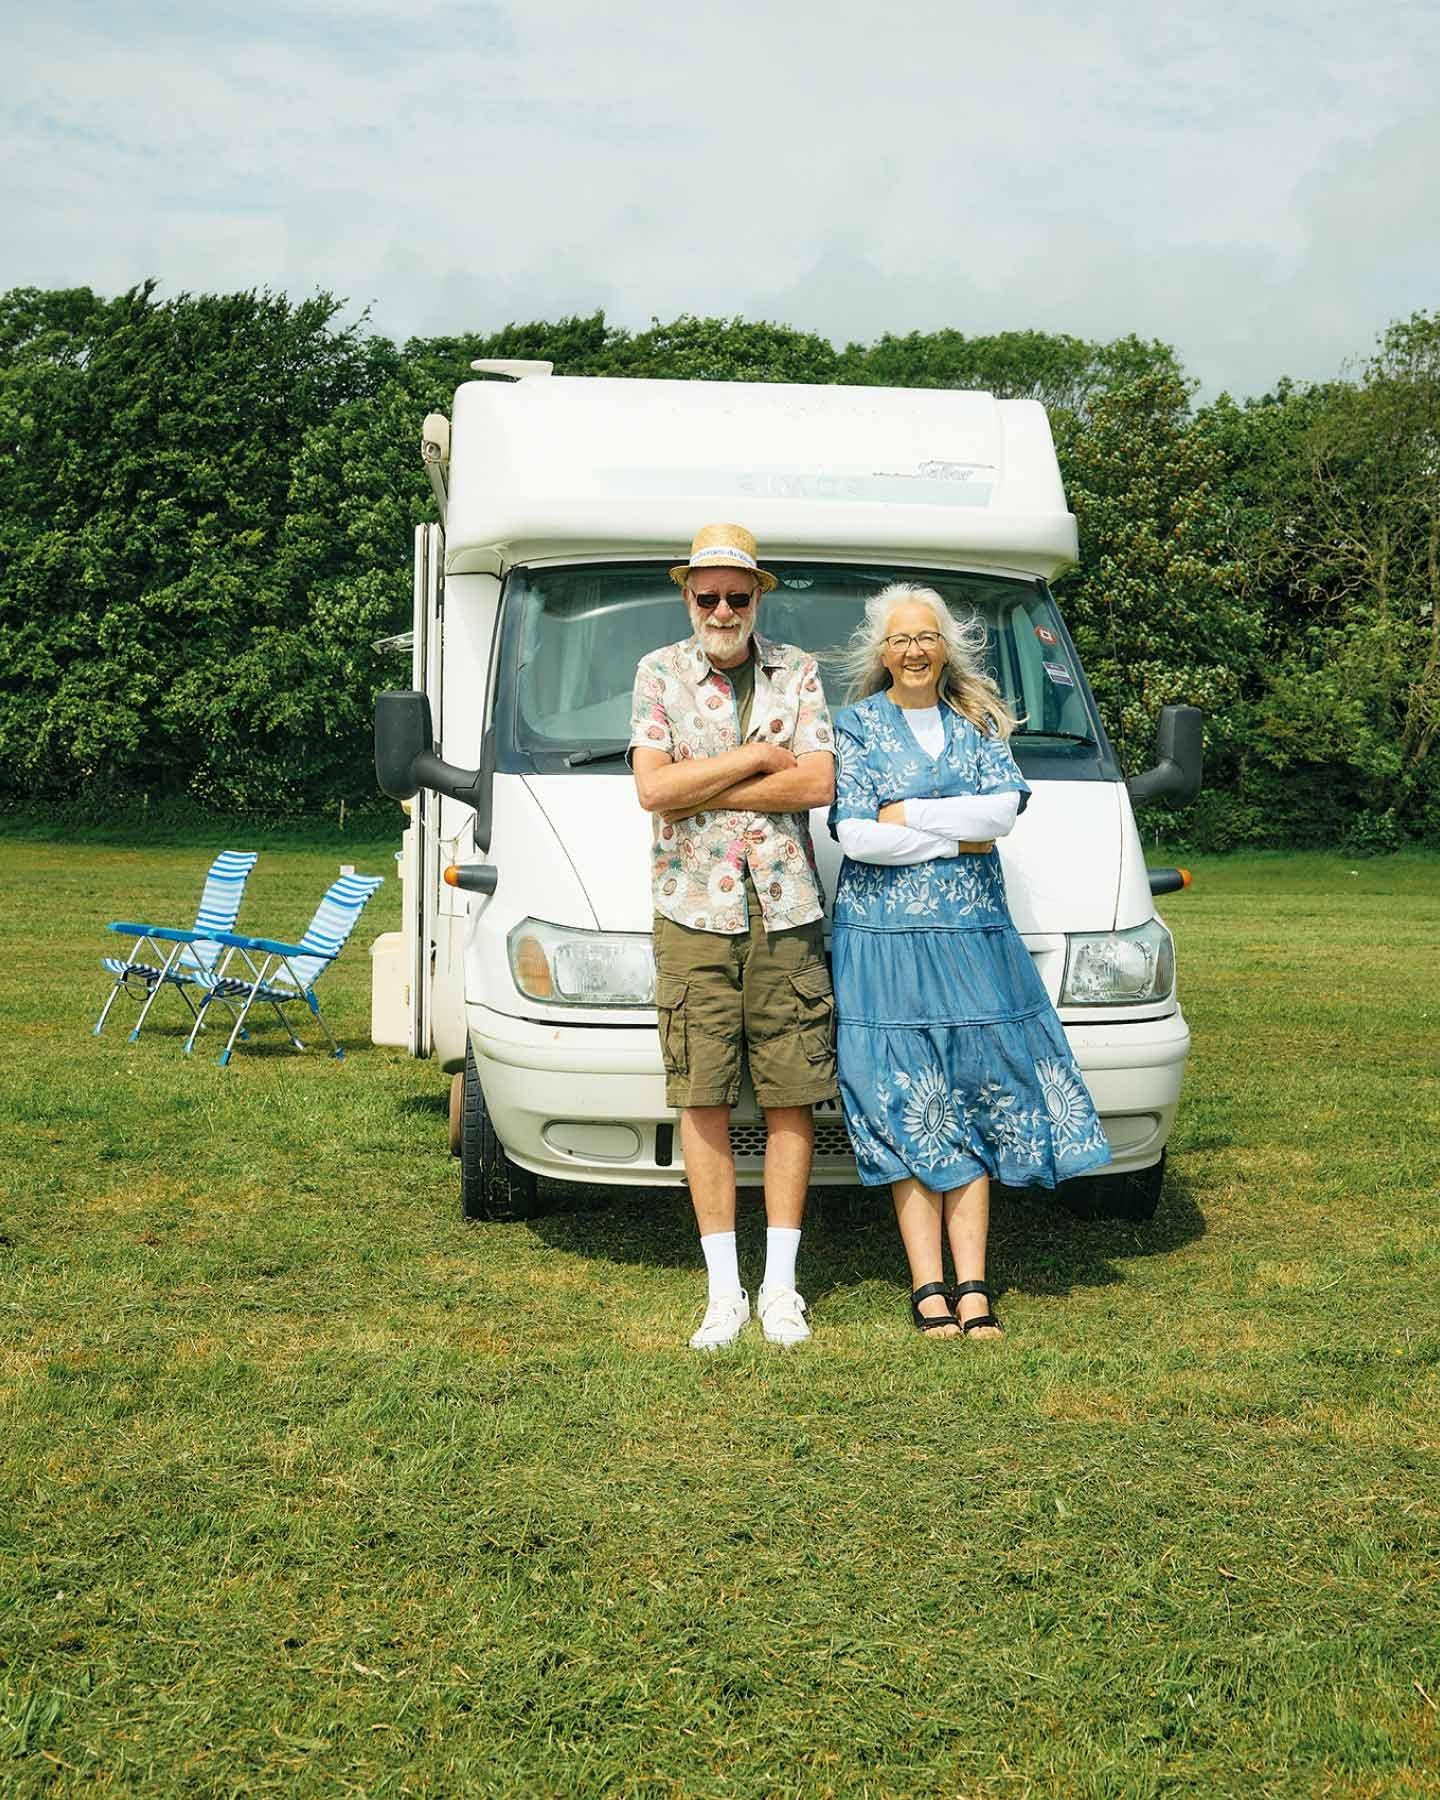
x=901 y=641
x=736 y=602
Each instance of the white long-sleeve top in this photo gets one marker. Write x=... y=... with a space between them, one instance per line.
x=932 y=828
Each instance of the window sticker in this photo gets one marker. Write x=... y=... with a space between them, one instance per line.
x=1059 y=674
x=1046 y=635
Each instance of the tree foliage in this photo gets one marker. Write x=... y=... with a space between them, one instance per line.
x=148 y=637
x=1158 y=606
x=1335 y=495
x=206 y=507
x=1064 y=373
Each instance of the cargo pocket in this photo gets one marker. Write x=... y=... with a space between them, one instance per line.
x=670 y=1006
x=815 y=1006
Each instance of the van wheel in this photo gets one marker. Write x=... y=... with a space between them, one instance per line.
x=491 y=1186
x=1134 y=1195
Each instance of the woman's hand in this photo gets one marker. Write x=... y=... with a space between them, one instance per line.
x=975 y=849
x=892 y=813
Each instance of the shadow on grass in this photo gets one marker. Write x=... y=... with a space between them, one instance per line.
x=1036 y=1246
x=426 y=1106
x=257 y=1042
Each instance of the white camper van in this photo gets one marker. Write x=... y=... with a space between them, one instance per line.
x=524 y=965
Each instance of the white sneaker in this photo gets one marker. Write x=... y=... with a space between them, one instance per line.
x=782 y=1317
x=724 y=1320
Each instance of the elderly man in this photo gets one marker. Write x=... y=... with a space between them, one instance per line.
x=731 y=746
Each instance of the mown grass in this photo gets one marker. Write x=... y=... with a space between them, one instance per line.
x=312 y=1488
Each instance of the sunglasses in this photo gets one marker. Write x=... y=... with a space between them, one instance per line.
x=736 y=602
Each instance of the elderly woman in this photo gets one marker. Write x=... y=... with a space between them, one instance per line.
x=953 y=1065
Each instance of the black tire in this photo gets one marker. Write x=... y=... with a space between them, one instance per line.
x=456 y=1112
x=1134 y=1195
x=491 y=1186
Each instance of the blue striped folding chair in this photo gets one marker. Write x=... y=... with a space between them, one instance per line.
x=164 y=957
x=278 y=975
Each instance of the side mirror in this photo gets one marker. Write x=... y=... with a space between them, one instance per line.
x=405 y=759
x=403 y=733
x=1177 y=775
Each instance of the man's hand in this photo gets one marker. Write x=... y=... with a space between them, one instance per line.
x=771 y=759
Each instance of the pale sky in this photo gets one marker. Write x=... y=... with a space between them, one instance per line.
x=1257 y=184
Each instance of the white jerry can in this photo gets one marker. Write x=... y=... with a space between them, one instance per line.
x=390 y=991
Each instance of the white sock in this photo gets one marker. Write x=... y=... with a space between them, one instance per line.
x=781 y=1244
x=722 y=1264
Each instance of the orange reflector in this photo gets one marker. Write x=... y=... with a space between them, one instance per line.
x=1185 y=878
x=532 y=971
x=451 y=877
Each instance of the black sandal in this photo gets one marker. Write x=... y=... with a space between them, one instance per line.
x=982 y=1321
x=922 y=1321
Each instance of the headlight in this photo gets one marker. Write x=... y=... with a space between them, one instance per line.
x=581 y=968
x=1119 y=968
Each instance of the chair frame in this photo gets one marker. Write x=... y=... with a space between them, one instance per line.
x=155 y=979
x=151 y=965
x=255 y=986
x=270 y=962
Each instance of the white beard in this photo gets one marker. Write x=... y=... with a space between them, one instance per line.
x=724 y=643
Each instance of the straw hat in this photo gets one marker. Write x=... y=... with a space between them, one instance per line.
x=724 y=547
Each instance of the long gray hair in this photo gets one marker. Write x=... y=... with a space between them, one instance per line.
x=964 y=684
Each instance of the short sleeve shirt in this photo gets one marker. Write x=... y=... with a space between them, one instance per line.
x=686 y=708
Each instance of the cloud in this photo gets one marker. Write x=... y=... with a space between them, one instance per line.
x=1251 y=184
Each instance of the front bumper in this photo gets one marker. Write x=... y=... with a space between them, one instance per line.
x=587 y=1103
x=1134 y=1072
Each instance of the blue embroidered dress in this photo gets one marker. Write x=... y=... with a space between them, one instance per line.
x=953 y=1063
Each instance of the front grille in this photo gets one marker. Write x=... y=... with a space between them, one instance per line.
x=831 y=1144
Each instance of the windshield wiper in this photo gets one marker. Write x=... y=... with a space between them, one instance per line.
x=587 y=755
x=1069 y=737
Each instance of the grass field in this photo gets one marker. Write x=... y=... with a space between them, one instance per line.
x=311 y=1488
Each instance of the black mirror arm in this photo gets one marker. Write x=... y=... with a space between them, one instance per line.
x=1159 y=783
x=405 y=759
x=1179 y=770
x=474 y=788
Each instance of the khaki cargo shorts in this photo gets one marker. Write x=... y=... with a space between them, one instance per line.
x=762 y=993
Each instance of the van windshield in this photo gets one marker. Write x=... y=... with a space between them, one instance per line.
x=571 y=637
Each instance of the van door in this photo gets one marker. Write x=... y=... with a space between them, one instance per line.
x=423 y=887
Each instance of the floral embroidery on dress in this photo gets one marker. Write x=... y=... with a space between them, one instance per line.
x=1065 y=1100
x=929 y=1112
x=1010 y=1125
x=1067 y=1105
x=970 y=888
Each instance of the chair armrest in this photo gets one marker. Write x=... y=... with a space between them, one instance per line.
x=165 y=932
x=271 y=946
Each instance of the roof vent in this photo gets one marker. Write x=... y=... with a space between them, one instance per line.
x=509 y=368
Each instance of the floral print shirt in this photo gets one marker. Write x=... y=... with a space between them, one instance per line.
x=686 y=708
